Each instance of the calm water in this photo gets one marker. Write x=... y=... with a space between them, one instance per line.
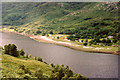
x=92 y=65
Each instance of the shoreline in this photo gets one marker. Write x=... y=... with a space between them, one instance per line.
x=45 y=39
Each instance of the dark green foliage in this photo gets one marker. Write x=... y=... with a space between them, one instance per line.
x=86 y=40
x=57 y=37
x=39 y=59
x=52 y=65
x=91 y=42
x=21 y=52
x=11 y=49
x=115 y=41
x=85 y=44
x=45 y=62
x=72 y=38
x=35 y=58
x=82 y=40
x=51 y=32
x=108 y=42
x=60 y=72
x=38 y=32
x=104 y=41
x=43 y=34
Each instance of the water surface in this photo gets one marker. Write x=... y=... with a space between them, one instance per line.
x=92 y=65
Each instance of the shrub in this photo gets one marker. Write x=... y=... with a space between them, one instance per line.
x=35 y=58
x=114 y=41
x=57 y=37
x=68 y=72
x=85 y=44
x=39 y=59
x=43 y=34
x=52 y=65
x=45 y=62
x=72 y=38
x=82 y=41
x=11 y=49
x=21 y=52
x=86 y=40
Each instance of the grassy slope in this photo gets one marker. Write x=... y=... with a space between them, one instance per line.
x=11 y=67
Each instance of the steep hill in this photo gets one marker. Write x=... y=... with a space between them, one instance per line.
x=64 y=18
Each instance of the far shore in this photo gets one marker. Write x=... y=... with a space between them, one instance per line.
x=45 y=39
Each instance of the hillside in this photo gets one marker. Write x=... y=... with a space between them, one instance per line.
x=86 y=20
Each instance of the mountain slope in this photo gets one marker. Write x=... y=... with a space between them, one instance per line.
x=63 y=18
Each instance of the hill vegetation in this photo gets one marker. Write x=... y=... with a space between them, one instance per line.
x=84 y=20
x=29 y=67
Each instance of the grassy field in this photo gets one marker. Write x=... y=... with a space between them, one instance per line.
x=11 y=67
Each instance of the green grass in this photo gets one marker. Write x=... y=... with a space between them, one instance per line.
x=11 y=67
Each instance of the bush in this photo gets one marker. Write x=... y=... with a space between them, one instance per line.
x=45 y=62
x=114 y=41
x=39 y=59
x=57 y=37
x=35 y=58
x=82 y=41
x=11 y=49
x=72 y=38
x=104 y=41
x=43 y=34
x=85 y=44
x=86 y=40
x=21 y=52
x=52 y=65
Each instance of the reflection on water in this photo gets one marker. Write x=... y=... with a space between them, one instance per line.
x=92 y=65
